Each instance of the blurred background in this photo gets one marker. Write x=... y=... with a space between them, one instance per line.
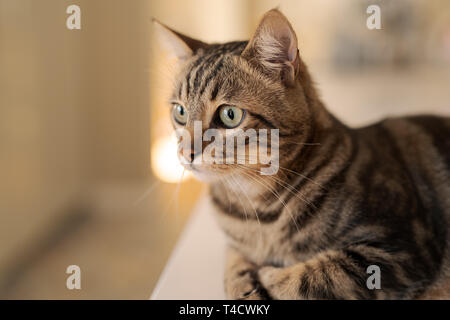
x=88 y=175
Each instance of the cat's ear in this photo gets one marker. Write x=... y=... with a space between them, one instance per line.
x=274 y=47
x=177 y=44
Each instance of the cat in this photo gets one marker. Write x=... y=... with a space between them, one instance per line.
x=343 y=198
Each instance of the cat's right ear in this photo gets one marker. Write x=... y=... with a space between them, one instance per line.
x=177 y=44
x=274 y=47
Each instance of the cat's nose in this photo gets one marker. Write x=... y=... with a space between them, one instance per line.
x=190 y=156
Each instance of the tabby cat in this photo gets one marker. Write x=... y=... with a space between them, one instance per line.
x=342 y=200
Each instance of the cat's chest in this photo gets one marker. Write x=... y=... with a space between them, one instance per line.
x=261 y=242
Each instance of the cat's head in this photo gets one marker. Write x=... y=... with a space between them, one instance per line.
x=239 y=88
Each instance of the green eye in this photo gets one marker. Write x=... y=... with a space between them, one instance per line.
x=231 y=116
x=179 y=114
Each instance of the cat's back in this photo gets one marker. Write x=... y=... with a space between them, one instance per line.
x=425 y=137
x=418 y=146
x=422 y=145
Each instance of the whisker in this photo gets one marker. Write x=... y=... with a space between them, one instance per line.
x=291 y=188
x=294 y=172
x=251 y=203
x=244 y=169
x=302 y=176
x=146 y=193
x=275 y=194
x=177 y=193
x=242 y=204
x=229 y=202
x=174 y=196
x=303 y=143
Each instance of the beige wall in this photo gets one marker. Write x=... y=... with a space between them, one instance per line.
x=41 y=145
x=74 y=108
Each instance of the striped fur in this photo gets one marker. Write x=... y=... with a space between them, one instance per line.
x=343 y=198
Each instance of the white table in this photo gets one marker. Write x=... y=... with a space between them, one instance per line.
x=196 y=266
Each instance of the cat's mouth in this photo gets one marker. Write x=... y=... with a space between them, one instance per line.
x=191 y=167
x=196 y=169
x=203 y=172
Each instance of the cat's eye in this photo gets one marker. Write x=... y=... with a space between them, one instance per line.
x=179 y=114
x=231 y=116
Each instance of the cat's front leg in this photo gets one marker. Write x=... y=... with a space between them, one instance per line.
x=241 y=278
x=329 y=275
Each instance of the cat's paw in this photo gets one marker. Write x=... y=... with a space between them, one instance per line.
x=244 y=286
x=257 y=293
x=275 y=281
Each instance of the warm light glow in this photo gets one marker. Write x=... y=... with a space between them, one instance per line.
x=165 y=163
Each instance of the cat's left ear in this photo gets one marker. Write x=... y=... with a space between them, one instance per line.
x=274 y=47
x=177 y=44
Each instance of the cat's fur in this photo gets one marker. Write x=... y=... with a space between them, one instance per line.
x=343 y=198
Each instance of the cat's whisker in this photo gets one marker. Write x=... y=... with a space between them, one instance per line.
x=303 y=176
x=291 y=190
x=275 y=194
x=284 y=204
x=228 y=195
x=251 y=203
x=240 y=200
x=275 y=179
x=293 y=172
x=302 y=143
x=297 y=195
x=177 y=193
x=283 y=184
x=146 y=193
x=236 y=195
x=172 y=199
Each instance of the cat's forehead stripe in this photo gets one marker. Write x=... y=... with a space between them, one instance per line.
x=215 y=69
x=215 y=91
x=188 y=77
x=197 y=70
x=207 y=62
x=206 y=66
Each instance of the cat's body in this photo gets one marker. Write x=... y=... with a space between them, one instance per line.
x=385 y=186
x=342 y=200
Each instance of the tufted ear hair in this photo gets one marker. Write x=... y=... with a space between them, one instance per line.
x=274 y=47
x=177 y=44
